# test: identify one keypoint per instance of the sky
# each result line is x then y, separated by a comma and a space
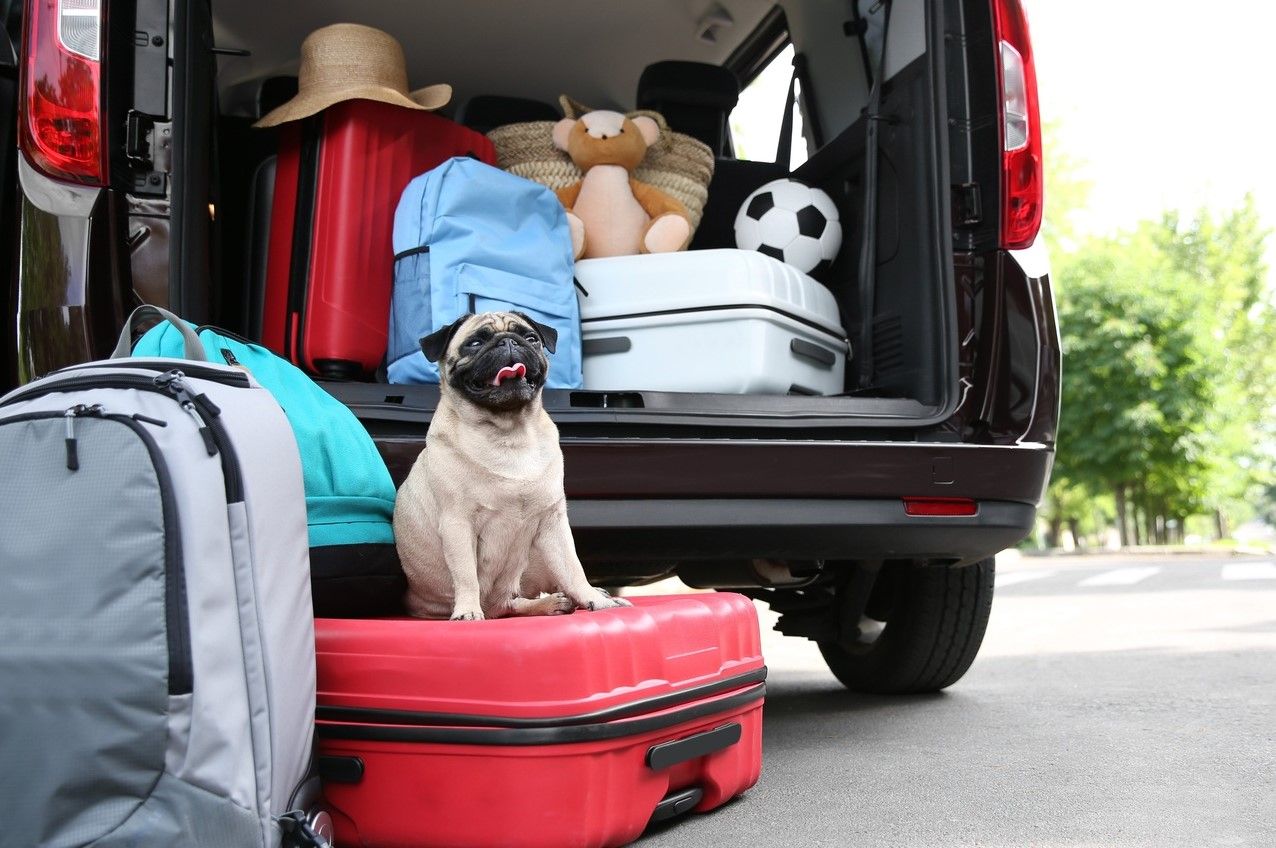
1168, 105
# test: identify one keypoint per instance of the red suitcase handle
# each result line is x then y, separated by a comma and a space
668, 754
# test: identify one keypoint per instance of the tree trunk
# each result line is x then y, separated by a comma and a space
1220, 523
1123, 527
1053, 527
1074, 527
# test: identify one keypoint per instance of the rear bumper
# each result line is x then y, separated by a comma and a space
678, 500
676, 530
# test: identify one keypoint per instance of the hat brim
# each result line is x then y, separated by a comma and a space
432, 96
308, 103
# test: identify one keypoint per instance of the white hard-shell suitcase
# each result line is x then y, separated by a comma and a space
725, 321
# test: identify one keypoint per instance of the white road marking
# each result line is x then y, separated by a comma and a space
1250, 571
1121, 576
1010, 578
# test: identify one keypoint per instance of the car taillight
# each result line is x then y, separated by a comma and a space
940, 506
1022, 187
62, 129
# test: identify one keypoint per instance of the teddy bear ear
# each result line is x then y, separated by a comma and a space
563, 131
649, 128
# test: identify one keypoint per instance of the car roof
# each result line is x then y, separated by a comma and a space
593, 50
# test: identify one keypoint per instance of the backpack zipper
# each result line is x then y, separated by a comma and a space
238, 379
176, 614
171, 384
72, 449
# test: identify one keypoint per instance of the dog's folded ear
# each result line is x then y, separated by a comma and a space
549, 336
435, 344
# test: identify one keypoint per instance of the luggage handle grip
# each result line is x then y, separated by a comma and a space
813, 352
668, 754
599, 347
124, 347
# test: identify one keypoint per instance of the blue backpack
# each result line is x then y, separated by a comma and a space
472, 238
354, 566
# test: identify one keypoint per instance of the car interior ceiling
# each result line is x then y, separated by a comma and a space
696, 93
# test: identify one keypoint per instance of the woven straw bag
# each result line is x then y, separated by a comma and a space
676, 164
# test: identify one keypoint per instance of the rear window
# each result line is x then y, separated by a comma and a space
757, 118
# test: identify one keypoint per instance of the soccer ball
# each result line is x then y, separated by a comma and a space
793, 222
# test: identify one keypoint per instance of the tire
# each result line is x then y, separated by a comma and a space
921, 631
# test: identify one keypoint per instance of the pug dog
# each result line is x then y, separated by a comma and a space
481, 520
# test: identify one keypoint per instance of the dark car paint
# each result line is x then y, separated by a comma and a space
70, 294
8, 194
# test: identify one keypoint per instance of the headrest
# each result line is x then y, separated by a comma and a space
488, 111
694, 97
689, 84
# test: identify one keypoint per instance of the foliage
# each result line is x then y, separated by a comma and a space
1169, 336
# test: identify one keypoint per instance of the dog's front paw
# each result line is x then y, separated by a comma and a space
605, 601
467, 615
559, 604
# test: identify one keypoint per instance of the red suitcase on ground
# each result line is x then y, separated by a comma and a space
574, 730
330, 266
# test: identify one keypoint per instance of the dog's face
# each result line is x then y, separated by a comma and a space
497, 360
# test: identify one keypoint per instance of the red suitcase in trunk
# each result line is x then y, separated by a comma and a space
560, 731
330, 268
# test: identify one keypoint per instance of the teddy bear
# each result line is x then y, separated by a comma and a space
609, 212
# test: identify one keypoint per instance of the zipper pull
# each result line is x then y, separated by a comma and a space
72, 446
72, 452
168, 379
173, 383
204, 432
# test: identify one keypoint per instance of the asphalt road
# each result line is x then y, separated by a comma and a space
1117, 701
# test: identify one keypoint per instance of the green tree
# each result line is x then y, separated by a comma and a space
1169, 334
1139, 388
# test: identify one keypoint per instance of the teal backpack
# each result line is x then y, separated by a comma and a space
354, 567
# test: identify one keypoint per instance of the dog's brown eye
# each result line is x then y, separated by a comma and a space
532, 338
473, 343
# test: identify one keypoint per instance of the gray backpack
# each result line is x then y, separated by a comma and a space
157, 679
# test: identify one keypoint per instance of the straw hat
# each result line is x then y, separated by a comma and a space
352, 62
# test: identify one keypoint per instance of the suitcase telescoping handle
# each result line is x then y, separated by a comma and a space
194, 349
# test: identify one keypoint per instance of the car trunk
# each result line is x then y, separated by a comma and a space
912, 332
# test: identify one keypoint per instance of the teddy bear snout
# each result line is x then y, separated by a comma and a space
603, 124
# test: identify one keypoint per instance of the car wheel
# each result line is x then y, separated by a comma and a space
919, 632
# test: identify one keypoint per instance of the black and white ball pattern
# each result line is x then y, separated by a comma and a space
793, 222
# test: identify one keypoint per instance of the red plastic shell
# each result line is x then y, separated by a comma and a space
368, 152
580, 793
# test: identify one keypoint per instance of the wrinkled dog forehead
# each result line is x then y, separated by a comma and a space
493, 322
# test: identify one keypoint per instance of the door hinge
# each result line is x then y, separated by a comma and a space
967, 205
148, 144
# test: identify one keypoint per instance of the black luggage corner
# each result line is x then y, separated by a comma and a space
357, 581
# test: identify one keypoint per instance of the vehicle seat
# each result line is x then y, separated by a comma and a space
697, 98
485, 112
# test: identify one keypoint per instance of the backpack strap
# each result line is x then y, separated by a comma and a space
298, 833
124, 347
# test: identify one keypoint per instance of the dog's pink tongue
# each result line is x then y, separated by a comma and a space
518, 369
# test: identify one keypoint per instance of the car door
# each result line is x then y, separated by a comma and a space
10, 38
